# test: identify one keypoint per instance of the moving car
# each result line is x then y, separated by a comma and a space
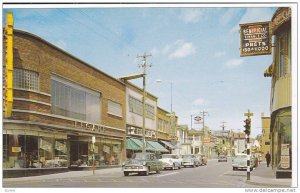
171, 161
142, 163
202, 159
222, 158
240, 162
190, 160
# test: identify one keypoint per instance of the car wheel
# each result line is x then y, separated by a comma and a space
126, 173
173, 167
146, 173
179, 167
234, 168
158, 171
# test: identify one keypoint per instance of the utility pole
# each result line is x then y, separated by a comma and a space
144, 65
223, 125
203, 113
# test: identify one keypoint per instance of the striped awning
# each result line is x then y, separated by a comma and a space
169, 144
157, 146
132, 145
137, 144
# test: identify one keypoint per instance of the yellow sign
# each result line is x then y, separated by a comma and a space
15, 149
248, 114
206, 140
8, 102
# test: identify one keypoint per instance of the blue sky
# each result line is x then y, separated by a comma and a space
197, 49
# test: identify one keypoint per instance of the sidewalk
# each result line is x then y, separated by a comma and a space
84, 173
264, 176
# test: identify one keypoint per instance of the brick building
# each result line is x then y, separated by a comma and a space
60, 102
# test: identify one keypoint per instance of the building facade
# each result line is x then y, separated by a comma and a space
60, 103
134, 121
281, 94
184, 144
265, 137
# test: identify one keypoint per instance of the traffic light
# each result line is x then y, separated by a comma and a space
247, 126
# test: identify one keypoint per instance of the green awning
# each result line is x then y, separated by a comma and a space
132, 145
157, 146
137, 144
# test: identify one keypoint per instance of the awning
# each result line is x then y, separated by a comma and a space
132, 145
140, 144
157, 146
169, 144
137, 144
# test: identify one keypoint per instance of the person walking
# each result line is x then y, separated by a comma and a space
268, 158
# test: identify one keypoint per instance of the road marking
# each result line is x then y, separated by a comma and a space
167, 174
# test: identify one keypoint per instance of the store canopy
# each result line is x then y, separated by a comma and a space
157, 146
169, 144
137, 144
132, 145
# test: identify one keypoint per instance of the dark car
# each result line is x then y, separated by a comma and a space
142, 163
222, 158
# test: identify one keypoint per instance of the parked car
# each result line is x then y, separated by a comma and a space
240, 162
222, 158
202, 159
190, 160
171, 161
142, 163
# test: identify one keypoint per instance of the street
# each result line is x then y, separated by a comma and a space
214, 175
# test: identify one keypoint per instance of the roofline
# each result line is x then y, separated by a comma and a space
66, 53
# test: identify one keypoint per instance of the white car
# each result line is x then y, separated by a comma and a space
171, 161
240, 162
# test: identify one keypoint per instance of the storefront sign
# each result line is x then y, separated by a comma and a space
89, 126
255, 39
15, 149
206, 140
45, 145
60, 147
285, 156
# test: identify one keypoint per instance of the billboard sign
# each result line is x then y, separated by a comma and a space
255, 39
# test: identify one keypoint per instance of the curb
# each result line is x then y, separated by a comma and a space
267, 184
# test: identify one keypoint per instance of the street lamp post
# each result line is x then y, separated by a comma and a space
93, 157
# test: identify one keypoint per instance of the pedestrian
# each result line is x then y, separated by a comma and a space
268, 158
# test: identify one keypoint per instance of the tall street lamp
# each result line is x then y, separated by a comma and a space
171, 114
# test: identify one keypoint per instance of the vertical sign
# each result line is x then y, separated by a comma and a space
255, 39
8, 102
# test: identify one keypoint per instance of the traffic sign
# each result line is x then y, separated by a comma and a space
248, 114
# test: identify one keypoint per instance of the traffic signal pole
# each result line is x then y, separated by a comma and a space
247, 132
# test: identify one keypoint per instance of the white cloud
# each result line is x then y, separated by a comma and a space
219, 54
254, 15
234, 63
182, 49
191, 15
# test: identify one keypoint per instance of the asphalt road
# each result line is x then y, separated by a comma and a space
213, 175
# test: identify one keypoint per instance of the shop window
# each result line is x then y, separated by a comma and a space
46, 152
26, 79
60, 153
114, 108
72, 100
31, 151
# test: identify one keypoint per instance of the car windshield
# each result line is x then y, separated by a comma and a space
187, 156
140, 156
